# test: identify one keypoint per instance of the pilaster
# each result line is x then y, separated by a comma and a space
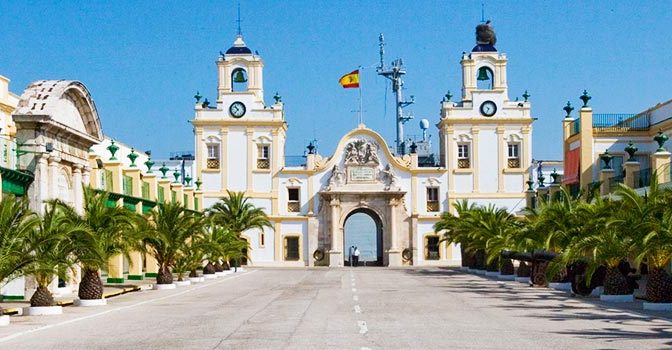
335, 254
605, 177
631, 167
660, 164
501, 147
586, 123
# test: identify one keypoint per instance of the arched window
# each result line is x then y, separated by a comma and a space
485, 79
239, 80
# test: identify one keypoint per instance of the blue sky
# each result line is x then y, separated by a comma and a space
143, 61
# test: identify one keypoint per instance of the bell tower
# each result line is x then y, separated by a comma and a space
485, 138
484, 69
240, 72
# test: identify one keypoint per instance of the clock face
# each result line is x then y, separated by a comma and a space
237, 109
488, 108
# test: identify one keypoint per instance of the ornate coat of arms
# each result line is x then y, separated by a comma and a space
361, 152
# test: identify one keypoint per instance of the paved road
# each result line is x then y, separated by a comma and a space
361, 308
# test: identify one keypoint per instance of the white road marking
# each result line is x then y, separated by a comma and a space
16, 335
354, 290
364, 348
362, 327
355, 298
358, 309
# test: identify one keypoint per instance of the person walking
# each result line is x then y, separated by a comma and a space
355, 256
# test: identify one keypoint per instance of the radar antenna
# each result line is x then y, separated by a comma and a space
394, 74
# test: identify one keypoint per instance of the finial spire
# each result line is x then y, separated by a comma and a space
240, 32
482, 12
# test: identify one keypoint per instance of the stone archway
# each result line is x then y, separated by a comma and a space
387, 207
363, 228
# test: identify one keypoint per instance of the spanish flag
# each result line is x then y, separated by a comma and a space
350, 80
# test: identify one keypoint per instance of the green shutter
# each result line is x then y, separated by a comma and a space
173, 196
185, 199
196, 204
127, 185
161, 195
107, 180
145, 190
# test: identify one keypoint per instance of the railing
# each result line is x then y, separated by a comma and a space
642, 178
621, 122
513, 163
575, 127
295, 161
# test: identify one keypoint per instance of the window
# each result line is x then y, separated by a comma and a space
213, 156
463, 159
432, 199
293, 201
161, 194
263, 157
292, 248
514, 155
432, 248
262, 239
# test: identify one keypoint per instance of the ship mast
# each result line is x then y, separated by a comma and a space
394, 74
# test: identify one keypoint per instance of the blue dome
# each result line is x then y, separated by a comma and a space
238, 50
484, 48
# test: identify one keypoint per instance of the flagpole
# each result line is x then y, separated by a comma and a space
360, 98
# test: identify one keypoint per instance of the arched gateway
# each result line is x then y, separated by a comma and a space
363, 229
361, 183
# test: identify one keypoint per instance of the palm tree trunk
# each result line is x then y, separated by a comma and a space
193, 273
219, 267
506, 267
615, 283
493, 266
42, 297
479, 258
164, 276
659, 286
91, 287
209, 269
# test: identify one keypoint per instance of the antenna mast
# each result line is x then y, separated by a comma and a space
394, 74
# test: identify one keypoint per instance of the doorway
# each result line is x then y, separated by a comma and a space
363, 229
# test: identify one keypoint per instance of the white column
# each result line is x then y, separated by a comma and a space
78, 194
335, 254
54, 161
42, 185
86, 176
394, 255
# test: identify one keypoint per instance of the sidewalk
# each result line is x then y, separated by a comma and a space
14, 307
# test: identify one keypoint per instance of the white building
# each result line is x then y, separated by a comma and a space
485, 152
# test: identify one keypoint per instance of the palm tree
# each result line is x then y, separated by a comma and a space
52, 251
17, 223
649, 218
191, 256
170, 228
600, 240
455, 229
235, 213
109, 232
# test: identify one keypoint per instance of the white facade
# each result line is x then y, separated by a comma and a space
240, 147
